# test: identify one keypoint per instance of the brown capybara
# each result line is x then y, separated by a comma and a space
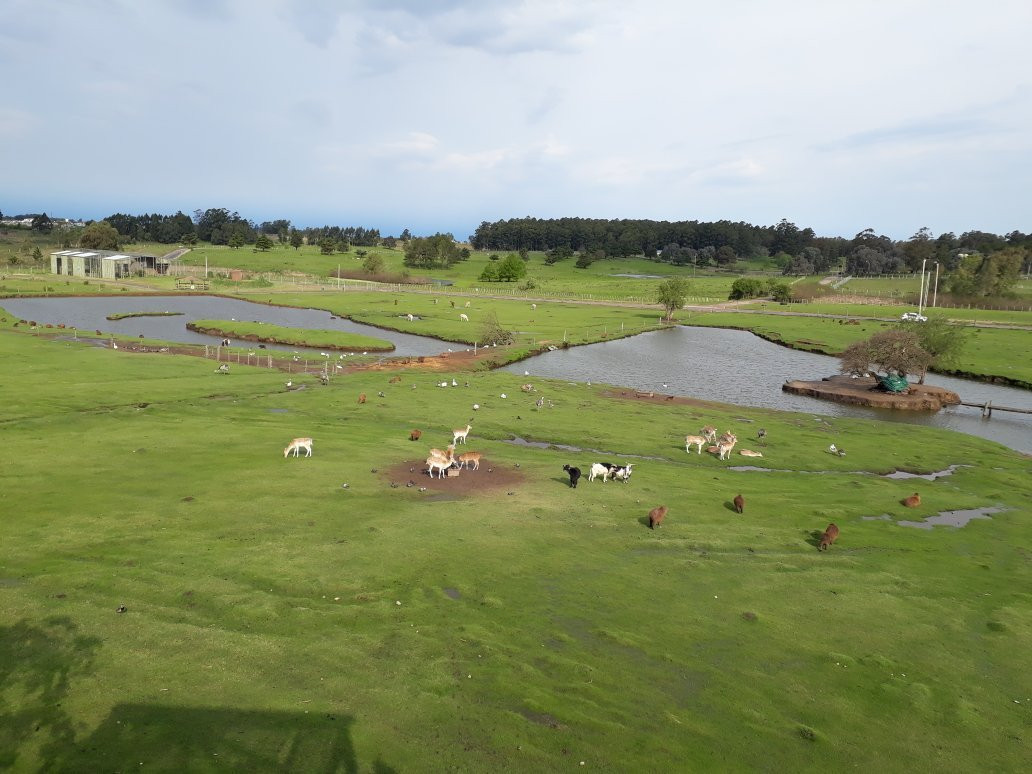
361, 398
415, 435
739, 503
656, 516
830, 536
394, 380
914, 501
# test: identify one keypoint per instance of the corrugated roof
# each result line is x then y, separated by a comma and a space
84, 255
116, 257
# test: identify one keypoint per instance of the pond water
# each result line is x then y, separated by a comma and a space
91, 314
738, 367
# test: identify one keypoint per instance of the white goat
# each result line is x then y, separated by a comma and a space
464, 317
459, 435
296, 445
410, 317
598, 469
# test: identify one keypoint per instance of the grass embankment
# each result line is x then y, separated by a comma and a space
538, 625
989, 355
277, 334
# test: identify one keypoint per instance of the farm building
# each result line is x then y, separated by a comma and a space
105, 264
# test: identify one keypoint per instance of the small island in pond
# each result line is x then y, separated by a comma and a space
127, 315
298, 337
865, 391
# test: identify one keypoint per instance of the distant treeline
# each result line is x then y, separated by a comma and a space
219, 226
796, 250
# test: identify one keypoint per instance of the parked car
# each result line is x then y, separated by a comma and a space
913, 317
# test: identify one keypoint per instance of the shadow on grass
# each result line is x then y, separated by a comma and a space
814, 538
201, 738
730, 506
38, 660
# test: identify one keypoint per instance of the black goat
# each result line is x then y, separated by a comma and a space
574, 475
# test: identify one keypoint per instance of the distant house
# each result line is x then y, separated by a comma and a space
105, 264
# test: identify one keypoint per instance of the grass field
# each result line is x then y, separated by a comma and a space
274, 620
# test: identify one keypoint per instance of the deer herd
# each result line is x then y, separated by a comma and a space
441, 461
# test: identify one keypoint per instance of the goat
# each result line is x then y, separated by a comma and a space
739, 503
296, 445
415, 435
460, 434
914, 501
622, 473
470, 457
361, 398
656, 516
222, 369
467, 304
410, 317
696, 440
464, 317
830, 536
574, 475
598, 469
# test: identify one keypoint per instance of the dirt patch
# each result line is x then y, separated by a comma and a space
489, 479
656, 397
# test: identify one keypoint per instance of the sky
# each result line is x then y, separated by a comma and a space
436, 115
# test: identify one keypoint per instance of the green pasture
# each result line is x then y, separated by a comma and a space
894, 311
275, 620
258, 331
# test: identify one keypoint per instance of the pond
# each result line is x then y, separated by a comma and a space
738, 367
91, 314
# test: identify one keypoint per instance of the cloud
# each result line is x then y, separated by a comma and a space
16, 123
911, 132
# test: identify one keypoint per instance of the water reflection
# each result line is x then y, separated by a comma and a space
738, 367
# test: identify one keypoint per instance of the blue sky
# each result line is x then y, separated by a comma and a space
439, 114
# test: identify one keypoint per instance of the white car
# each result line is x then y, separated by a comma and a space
913, 317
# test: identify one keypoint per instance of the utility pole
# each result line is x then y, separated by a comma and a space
921, 291
935, 292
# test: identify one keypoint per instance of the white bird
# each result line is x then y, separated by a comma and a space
454, 383
832, 449
365, 353
503, 395
340, 357
527, 373
290, 384
476, 406
325, 354
113, 345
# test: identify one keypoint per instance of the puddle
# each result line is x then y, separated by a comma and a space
279, 411
883, 517
902, 474
452, 593
517, 441
952, 518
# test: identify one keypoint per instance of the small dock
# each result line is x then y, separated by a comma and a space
988, 408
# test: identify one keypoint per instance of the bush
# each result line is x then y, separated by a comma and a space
744, 287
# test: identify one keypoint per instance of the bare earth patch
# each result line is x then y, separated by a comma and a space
489, 479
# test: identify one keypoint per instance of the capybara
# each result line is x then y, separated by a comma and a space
830, 536
394, 380
415, 435
361, 398
914, 501
656, 516
739, 503
574, 475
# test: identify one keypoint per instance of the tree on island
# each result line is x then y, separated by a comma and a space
940, 338
492, 332
672, 294
892, 352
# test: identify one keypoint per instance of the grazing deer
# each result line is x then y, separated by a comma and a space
709, 433
656, 516
470, 457
830, 536
694, 440
441, 463
464, 317
296, 445
460, 434
914, 501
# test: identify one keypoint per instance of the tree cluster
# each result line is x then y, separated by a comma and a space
434, 252
512, 268
166, 229
896, 352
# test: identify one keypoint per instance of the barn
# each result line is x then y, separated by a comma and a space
105, 264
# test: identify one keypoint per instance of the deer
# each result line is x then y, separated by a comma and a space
709, 433
296, 445
470, 457
460, 434
694, 440
441, 463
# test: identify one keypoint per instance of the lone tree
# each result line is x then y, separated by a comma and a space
672, 294
100, 235
938, 337
374, 264
891, 352
263, 243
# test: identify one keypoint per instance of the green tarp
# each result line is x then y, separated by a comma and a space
892, 383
